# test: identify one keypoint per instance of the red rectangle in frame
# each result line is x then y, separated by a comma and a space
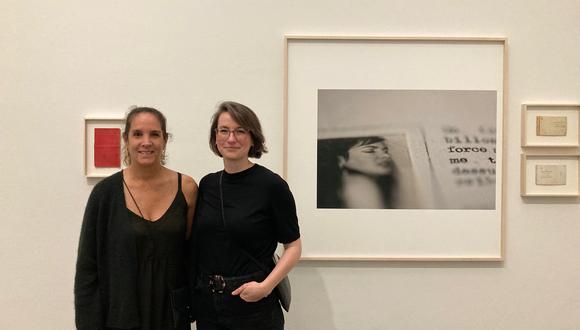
107, 149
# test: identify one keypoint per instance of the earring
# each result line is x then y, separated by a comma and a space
162, 158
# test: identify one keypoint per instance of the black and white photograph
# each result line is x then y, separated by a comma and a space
406, 149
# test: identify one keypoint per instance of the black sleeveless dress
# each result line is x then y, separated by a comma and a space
160, 250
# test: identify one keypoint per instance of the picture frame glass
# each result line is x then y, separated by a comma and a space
437, 105
550, 125
550, 175
103, 146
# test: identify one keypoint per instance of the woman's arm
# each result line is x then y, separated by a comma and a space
189, 188
254, 291
283, 210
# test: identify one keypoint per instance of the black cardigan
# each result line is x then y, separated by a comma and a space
106, 271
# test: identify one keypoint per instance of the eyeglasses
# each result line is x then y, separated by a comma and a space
224, 132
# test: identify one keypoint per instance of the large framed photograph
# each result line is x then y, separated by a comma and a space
550, 175
550, 125
393, 146
103, 146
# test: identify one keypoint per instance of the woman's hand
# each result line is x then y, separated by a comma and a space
252, 291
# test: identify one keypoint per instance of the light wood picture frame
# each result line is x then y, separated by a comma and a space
320, 68
550, 175
111, 154
551, 125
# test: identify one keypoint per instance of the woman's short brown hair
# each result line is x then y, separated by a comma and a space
247, 119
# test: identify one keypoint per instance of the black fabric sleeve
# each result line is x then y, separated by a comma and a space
88, 311
283, 210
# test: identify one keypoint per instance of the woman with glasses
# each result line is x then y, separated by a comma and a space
243, 212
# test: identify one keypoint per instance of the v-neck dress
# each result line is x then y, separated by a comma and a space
160, 250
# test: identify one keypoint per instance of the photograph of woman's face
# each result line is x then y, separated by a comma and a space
371, 159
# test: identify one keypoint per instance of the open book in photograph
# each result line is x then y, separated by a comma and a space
406, 149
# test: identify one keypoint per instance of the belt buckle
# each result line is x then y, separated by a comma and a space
217, 283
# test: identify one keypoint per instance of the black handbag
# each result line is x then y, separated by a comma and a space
181, 306
283, 289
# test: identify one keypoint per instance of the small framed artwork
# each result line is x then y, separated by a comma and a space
550, 175
103, 146
550, 125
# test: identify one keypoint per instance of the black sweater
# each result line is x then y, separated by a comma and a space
106, 271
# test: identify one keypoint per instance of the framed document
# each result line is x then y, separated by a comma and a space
549, 175
103, 146
550, 125
394, 146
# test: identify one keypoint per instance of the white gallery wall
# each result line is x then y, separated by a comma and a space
63, 60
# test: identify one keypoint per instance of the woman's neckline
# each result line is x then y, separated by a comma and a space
241, 173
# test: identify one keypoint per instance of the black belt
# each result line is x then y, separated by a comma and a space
220, 284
